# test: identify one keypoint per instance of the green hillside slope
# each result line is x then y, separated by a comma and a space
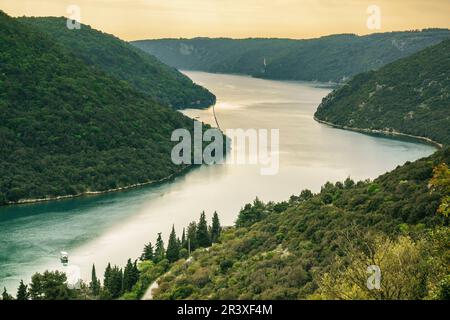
125, 62
411, 96
288, 250
332, 58
67, 127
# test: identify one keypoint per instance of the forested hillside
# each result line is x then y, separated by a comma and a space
68, 127
123, 61
410, 96
318, 246
331, 58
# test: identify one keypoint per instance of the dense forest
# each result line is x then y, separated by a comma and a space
333, 58
313, 246
67, 127
124, 61
318, 246
411, 96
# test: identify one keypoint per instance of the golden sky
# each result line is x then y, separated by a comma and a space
145, 19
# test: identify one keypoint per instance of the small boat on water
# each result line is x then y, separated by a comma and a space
64, 257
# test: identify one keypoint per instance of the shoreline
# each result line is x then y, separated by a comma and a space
97, 193
383, 133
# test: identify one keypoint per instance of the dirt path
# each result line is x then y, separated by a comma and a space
148, 295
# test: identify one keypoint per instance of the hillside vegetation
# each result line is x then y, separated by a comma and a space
331, 58
125, 62
411, 95
67, 127
318, 246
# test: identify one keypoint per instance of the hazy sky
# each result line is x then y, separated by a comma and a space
142, 19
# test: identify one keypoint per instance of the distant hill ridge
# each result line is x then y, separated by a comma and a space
334, 58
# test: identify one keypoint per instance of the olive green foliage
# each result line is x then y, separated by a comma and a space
68, 128
284, 250
410, 96
409, 269
441, 182
330, 58
125, 62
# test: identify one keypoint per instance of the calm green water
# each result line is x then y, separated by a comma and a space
114, 227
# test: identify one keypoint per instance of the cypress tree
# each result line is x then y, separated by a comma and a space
128, 276
203, 238
183, 239
94, 285
159, 250
22, 292
107, 276
136, 273
216, 229
191, 239
173, 249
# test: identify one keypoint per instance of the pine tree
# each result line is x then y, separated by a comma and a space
6, 295
128, 276
94, 285
203, 238
173, 249
159, 250
107, 280
216, 229
147, 254
22, 292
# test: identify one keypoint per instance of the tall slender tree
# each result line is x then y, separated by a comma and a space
159, 249
203, 238
191, 238
173, 248
183, 239
136, 272
107, 275
216, 229
94, 285
128, 276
